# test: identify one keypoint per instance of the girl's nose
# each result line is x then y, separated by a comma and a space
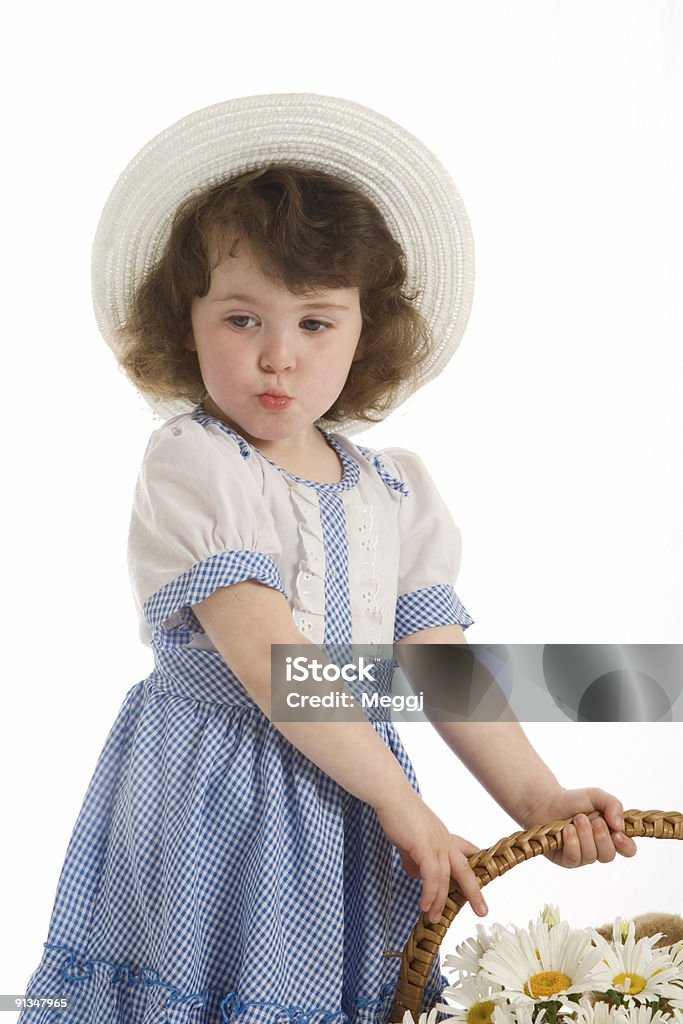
277, 353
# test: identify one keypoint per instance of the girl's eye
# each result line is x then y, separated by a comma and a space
318, 322
239, 316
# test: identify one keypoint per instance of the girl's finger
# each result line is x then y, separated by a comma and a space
429, 869
612, 810
409, 865
468, 882
584, 831
603, 840
571, 847
443, 881
624, 844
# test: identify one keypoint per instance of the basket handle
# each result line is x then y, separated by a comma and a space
423, 944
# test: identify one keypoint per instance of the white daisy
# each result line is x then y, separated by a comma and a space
622, 929
645, 1015
636, 969
676, 954
517, 1013
468, 954
425, 1018
588, 1012
551, 914
676, 1002
542, 963
476, 995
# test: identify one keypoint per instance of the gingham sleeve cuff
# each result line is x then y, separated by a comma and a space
203, 579
432, 606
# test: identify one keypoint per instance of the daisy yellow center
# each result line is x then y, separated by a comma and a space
547, 983
480, 1013
632, 983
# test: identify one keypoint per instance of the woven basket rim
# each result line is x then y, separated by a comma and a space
422, 947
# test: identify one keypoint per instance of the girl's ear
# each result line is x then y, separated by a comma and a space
189, 342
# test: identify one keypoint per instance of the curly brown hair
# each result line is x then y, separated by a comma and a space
309, 230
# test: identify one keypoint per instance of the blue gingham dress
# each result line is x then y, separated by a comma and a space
215, 873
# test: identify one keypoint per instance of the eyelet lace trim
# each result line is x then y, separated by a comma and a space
365, 591
308, 596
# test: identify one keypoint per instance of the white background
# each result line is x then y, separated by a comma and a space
555, 434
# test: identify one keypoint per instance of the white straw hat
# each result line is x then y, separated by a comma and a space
414, 192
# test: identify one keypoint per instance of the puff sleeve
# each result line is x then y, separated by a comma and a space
199, 522
430, 550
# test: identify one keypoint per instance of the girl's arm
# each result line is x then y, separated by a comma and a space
500, 756
243, 621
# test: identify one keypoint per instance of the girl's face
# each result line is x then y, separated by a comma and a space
272, 362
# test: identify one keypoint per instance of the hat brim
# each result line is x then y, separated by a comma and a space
416, 195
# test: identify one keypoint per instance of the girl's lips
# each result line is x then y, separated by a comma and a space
274, 402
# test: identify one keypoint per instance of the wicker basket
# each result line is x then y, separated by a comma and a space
423, 944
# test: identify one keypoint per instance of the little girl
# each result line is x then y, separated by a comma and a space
277, 272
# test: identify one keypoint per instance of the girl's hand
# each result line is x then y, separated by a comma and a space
430, 851
584, 841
